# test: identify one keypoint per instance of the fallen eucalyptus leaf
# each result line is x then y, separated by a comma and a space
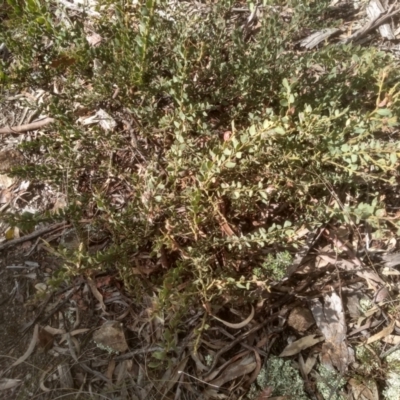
383, 333
299, 345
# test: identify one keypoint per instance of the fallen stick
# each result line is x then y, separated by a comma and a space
28, 127
30, 236
372, 25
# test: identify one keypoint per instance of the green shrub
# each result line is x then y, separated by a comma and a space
236, 143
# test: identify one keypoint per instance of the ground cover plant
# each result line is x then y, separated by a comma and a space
203, 147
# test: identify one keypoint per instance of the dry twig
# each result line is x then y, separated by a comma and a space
33, 235
28, 127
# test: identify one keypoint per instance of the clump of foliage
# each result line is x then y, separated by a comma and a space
330, 383
392, 388
276, 267
227, 143
283, 378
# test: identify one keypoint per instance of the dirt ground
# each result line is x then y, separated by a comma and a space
20, 305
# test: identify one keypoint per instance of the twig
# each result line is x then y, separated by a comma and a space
82, 364
30, 236
239, 339
61, 304
371, 25
27, 127
129, 355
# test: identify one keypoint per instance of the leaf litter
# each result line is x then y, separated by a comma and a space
230, 363
327, 310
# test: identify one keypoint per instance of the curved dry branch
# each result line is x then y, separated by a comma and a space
27, 127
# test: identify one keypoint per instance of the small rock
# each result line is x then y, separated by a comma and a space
300, 319
110, 336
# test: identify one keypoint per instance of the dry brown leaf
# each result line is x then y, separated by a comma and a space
6, 383
241, 367
239, 325
371, 311
73, 333
256, 371
122, 371
172, 375
110, 369
310, 239
381, 295
54, 331
79, 331
392, 339
97, 294
299, 345
383, 333
111, 335
45, 339
42, 379
353, 261
306, 367
31, 347
64, 373
351, 265
199, 365
363, 392
301, 232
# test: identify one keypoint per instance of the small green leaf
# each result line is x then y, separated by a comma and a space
280, 130
159, 355
385, 112
153, 364
285, 83
380, 213
230, 164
